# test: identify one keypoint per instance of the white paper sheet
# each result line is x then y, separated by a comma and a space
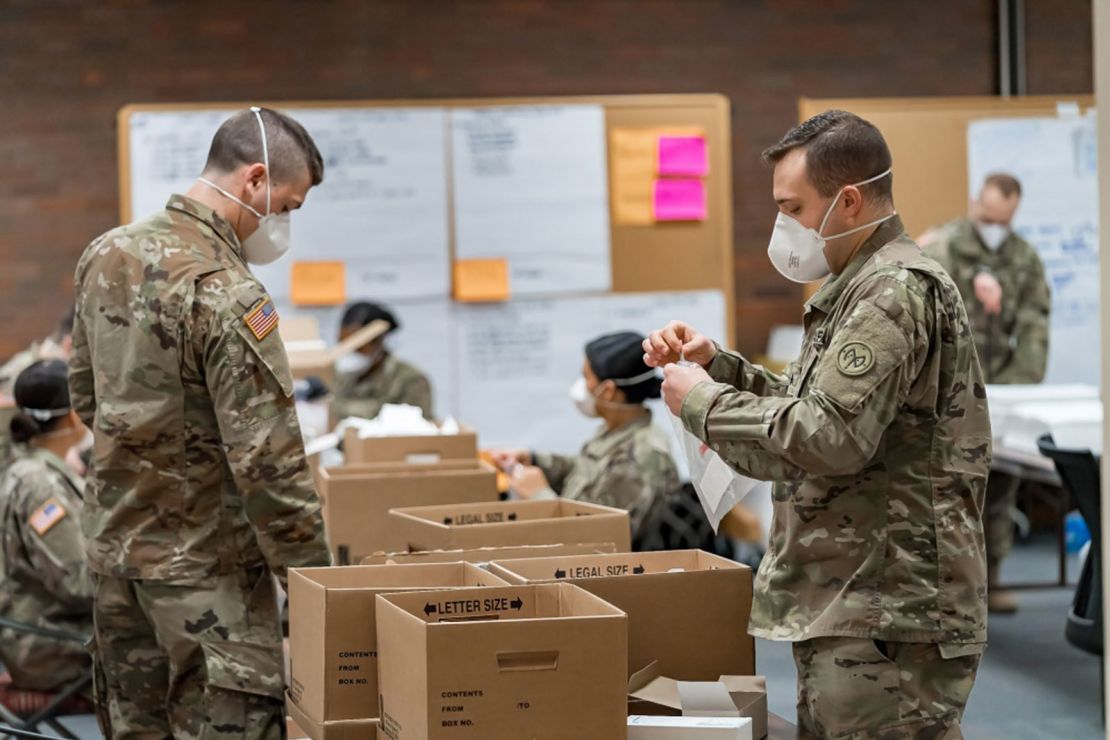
531, 186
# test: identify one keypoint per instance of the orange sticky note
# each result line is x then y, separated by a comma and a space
318, 284
482, 281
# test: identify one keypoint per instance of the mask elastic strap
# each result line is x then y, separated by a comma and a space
622, 382
44, 415
832, 205
228, 195
265, 153
861, 228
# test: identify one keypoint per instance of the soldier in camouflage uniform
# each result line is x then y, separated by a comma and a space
56, 346
200, 488
373, 376
878, 440
628, 463
1007, 297
43, 578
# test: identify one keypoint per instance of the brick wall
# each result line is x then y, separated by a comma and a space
66, 66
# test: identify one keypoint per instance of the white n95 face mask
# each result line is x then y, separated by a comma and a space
584, 401
352, 363
993, 235
271, 239
798, 252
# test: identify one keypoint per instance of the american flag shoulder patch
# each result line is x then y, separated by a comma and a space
262, 319
46, 516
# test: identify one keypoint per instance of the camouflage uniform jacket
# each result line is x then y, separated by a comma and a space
628, 468
199, 466
42, 564
1013, 346
394, 381
878, 439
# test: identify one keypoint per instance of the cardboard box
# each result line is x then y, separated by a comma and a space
482, 555
689, 728
418, 448
332, 642
309, 355
536, 662
729, 696
345, 729
293, 731
357, 500
687, 609
511, 523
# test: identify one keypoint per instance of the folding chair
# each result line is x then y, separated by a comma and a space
54, 704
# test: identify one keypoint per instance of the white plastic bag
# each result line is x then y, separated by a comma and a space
719, 487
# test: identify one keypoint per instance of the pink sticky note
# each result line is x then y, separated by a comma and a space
683, 155
679, 200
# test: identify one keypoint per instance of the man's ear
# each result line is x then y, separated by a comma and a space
853, 200
256, 175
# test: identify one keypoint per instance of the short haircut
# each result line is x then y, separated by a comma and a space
1006, 183
841, 149
238, 141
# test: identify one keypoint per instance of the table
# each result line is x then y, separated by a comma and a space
1033, 466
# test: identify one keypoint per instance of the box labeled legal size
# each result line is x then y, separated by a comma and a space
416, 448
687, 609
482, 555
510, 524
332, 641
536, 662
341, 729
357, 500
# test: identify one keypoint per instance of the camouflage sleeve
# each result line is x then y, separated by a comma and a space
251, 387
56, 549
1030, 355
938, 249
636, 485
555, 468
418, 392
857, 388
732, 368
81, 390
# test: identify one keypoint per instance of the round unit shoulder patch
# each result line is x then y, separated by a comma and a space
855, 358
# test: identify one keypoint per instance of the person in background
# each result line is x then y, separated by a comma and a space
1003, 284
57, 346
373, 376
628, 463
200, 494
43, 578
877, 438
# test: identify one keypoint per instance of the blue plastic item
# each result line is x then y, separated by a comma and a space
1076, 533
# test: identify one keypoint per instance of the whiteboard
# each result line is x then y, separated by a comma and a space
517, 361
1055, 160
531, 186
382, 208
